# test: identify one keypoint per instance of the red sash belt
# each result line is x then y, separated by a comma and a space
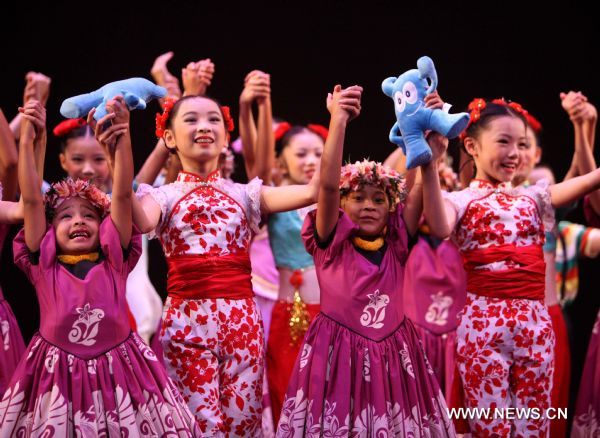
526, 281
200, 277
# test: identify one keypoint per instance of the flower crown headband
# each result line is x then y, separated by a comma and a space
161, 119
355, 176
477, 105
284, 127
68, 188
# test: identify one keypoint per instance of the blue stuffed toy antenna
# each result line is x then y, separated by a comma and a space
136, 91
412, 118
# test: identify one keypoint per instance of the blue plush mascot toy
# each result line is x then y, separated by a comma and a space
136, 91
413, 119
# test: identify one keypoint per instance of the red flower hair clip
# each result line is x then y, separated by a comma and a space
531, 121
229, 126
66, 126
320, 130
475, 107
282, 128
161, 119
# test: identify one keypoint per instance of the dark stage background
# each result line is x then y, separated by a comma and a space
485, 49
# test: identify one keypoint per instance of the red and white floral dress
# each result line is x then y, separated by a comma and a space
505, 341
212, 331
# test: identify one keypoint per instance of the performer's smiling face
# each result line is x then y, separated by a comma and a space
368, 208
76, 224
197, 130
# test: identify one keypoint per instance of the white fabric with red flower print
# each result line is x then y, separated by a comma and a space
212, 216
491, 215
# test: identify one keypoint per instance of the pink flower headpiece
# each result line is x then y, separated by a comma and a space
68, 188
355, 176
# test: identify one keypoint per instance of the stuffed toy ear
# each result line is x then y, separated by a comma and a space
133, 101
427, 70
388, 86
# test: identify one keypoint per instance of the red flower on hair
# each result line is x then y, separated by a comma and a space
282, 128
475, 108
229, 126
66, 126
533, 123
320, 130
161, 119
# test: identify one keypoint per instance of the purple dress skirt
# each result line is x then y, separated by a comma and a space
434, 293
587, 411
11, 340
362, 370
85, 373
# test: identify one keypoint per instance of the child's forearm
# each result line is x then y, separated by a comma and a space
414, 204
121, 210
584, 159
8, 159
264, 157
569, 191
248, 136
15, 126
11, 212
433, 203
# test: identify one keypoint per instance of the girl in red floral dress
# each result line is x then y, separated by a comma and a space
505, 341
212, 334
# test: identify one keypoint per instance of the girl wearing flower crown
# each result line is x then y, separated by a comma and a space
85, 372
505, 341
362, 371
82, 157
212, 334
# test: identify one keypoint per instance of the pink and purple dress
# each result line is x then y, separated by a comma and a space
362, 370
587, 411
435, 290
11, 342
85, 373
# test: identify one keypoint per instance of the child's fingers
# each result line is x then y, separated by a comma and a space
90, 119
100, 124
110, 137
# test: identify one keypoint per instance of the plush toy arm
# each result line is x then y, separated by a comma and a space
396, 137
387, 86
427, 70
79, 106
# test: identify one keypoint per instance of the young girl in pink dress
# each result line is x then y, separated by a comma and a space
505, 341
212, 334
362, 371
85, 372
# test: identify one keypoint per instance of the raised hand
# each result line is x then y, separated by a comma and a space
433, 101
34, 112
574, 103
438, 144
344, 102
257, 87
197, 77
159, 71
107, 133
